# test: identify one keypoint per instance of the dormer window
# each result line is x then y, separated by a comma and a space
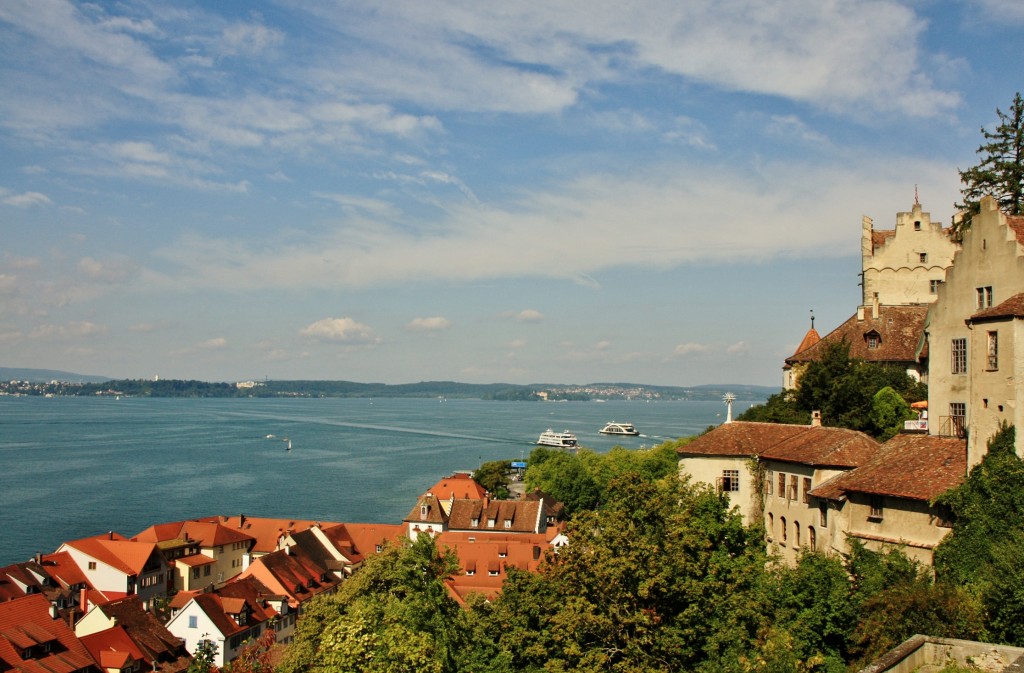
423, 511
873, 339
508, 523
475, 522
490, 523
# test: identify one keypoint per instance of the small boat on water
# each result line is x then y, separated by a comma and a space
561, 440
613, 428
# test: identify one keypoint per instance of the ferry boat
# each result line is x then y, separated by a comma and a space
561, 440
613, 428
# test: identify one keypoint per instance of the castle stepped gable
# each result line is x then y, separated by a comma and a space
915, 467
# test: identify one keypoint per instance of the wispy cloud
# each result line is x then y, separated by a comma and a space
340, 330
28, 200
432, 324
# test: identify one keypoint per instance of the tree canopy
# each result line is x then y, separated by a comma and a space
1000, 173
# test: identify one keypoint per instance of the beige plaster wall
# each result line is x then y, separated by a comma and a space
990, 257
708, 470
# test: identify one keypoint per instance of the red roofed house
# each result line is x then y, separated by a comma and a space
295, 574
115, 651
768, 470
976, 335
228, 617
33, 640
458, 485
119, 567
486, 559
887, 501
158, 649
213, 553
268, 533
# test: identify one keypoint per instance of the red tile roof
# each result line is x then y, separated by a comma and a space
915, 467
62, 568
740, 438
149, 635
516, 516
293, 573
116, 551
195, 560
113, 648
266, 531
458, 485
899, 330
822, 446
26, 623
812, 337
483, 555
208, 534
879, 237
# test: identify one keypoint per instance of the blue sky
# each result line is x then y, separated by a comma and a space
523, 192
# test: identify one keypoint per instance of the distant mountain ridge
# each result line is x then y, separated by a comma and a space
99, 385
47, 375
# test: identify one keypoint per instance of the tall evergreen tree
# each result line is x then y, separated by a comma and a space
1001, 171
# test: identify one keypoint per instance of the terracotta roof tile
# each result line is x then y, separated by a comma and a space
459, 485
24, 623
915, 467
899, 330
812, 337
1016, 223
518, 516
879, 237
822, 446
115, 550
156, 642
740, 438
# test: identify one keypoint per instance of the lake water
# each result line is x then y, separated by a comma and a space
72, 467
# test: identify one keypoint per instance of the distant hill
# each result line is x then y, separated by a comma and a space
47, 375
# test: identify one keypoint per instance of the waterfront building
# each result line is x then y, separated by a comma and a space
204, 553
118, 567
33, 638
113, 630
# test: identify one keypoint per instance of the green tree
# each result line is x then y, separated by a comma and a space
888, 411
563, 476
493, 475
1000, 174
203, 658
779, 408
395, 614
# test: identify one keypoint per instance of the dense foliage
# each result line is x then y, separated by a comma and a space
1000, 173
849, 394
494, 476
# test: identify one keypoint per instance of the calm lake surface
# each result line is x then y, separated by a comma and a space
72, 467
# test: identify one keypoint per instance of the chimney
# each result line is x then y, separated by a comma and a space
110, 535
815, 419
83, 600
53, 611
241, 521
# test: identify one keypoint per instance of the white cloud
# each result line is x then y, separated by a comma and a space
738, 348
343, 330
28, 200
249, 38
434, 324
690, 348
214, 344
528, 315
117, 270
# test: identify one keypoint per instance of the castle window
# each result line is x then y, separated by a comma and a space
917, 225
923, 257
984, 296
812, 538
933, 286
993, 351
873, 340
792, 487
958, 418
823, 511
875, 505
796, 533
782, 485
959, 353
782, 522
730, 482
807, 490
769, 483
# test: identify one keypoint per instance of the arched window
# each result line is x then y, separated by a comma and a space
812, 538
782, 521
796, 533
771, 525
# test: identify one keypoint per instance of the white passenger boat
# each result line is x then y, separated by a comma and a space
614, 428
562, 440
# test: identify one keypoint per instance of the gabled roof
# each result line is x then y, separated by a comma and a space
116, 551
208, 534
427, 509
221, 605
915, 467
20, 579
822, 446
156, 642
113, 648
1011, 308
293, 573
483, 555
62, 568
818, 446
740, 438
458, 485
266, 531
25, 623
368, 536
899, 330
812, 337
516, 516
